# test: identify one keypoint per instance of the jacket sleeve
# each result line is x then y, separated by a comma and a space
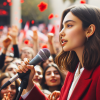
98, 89
62, 92
16, 51
2, 59
35, 94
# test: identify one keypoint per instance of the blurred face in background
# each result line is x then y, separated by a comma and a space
9, 89
11, 68
17, 61
8, 59
38, 74
48, 61
26, 54
52, 77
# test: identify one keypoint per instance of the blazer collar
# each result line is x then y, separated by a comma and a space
82, 84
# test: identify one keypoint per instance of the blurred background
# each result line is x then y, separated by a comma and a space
18, 12
28, 15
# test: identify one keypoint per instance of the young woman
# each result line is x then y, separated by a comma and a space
10, 92
52, 79
80, 40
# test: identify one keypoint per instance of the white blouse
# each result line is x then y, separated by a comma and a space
76, 78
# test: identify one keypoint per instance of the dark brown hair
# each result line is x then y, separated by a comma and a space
91, 54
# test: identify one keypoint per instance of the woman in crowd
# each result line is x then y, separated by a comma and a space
11, 37
38, 74
10, 68
52, 79
80, 40
37, 78
9, 92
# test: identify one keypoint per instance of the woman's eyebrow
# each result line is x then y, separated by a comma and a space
68, 21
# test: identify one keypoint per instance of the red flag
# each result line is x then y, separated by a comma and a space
26, 28
53, 30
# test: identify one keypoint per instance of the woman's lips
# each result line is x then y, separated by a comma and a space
63, 42
36, 80
53, 80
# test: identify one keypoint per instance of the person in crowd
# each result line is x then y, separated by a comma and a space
80, 40
35, 40
53, 50
16, 61
27, 52
9, 57
37, 78
13, 32
38, 74
52, 79
10, 68
11, 37
51, 45
10, 92
6, 43
45, 63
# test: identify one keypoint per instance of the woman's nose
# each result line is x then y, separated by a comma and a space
14, 71
62, 33
52, 74
36, 74
9, 88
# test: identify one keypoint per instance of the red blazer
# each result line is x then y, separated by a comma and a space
87, 88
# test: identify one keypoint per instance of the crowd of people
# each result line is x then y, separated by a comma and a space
10, 59
73, 73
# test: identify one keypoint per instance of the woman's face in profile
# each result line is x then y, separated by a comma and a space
9, 89
72, 36
52, 77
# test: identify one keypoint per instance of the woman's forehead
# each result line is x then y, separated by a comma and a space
51, 69
70, 17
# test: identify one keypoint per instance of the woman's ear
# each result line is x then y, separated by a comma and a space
90, 30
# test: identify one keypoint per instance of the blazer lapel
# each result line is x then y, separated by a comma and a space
82, 85
69, 81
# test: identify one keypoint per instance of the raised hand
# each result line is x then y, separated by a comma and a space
24, 67
7, 97
54, 95
50, 37
13, 32
7, 41
35, 35
35, 41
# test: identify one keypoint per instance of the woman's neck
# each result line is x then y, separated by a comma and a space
79, 53
53, 88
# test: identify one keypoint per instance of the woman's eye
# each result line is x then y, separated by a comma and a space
69, 25
13, 87
56, 73
48, 73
